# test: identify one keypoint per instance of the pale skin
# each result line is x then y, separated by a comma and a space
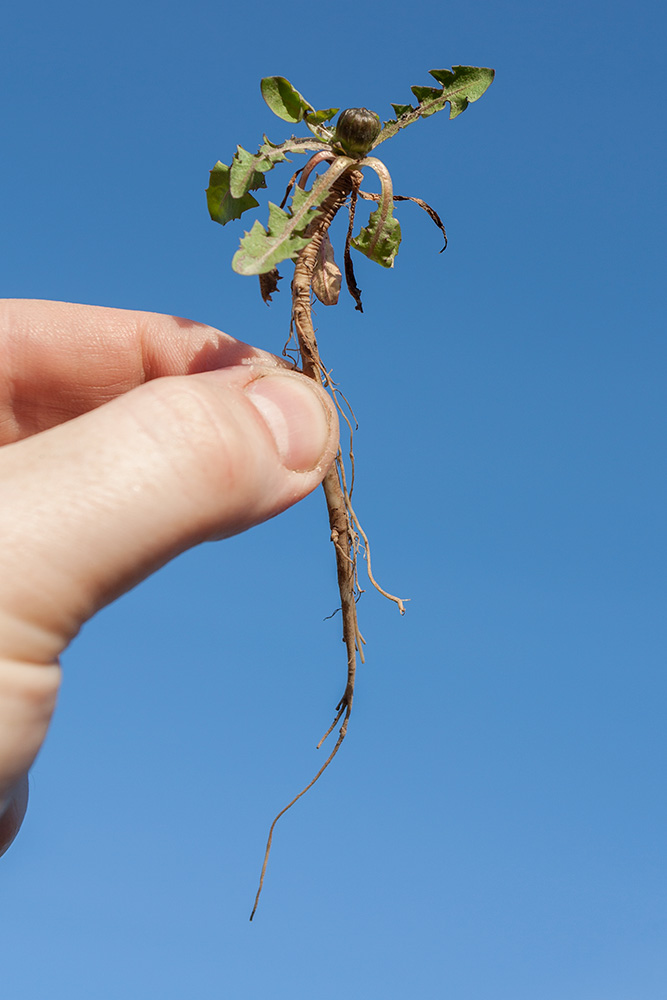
125, 438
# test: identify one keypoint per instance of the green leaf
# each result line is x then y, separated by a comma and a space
474, 80
294, 145
402, 109
381, 238
318, 117
222, 206
261, 249
428, 98
284, 100
460, 87
247, 171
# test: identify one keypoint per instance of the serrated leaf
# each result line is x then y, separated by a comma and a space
460, 87
284, 99
247, 171
294, 145
476, 79
222, 206
428, 98
402, 109
261, 249
381, 238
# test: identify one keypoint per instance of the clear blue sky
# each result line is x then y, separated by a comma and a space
495, 827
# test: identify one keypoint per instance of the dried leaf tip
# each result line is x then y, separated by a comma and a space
268, 284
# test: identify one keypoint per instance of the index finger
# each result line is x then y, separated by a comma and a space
59, 359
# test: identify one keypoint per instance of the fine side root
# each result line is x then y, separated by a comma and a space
367, 555
354, 520
341, 737
331, 728
335, 390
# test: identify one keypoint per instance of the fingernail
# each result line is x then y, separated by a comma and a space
296, 417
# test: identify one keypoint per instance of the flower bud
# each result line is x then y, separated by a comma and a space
357, 130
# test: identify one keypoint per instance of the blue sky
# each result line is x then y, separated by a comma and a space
494, 828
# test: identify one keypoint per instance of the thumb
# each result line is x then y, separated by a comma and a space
94, 505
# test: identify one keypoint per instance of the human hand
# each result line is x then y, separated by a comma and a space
127, 438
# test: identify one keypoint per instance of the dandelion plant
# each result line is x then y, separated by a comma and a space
298, 232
